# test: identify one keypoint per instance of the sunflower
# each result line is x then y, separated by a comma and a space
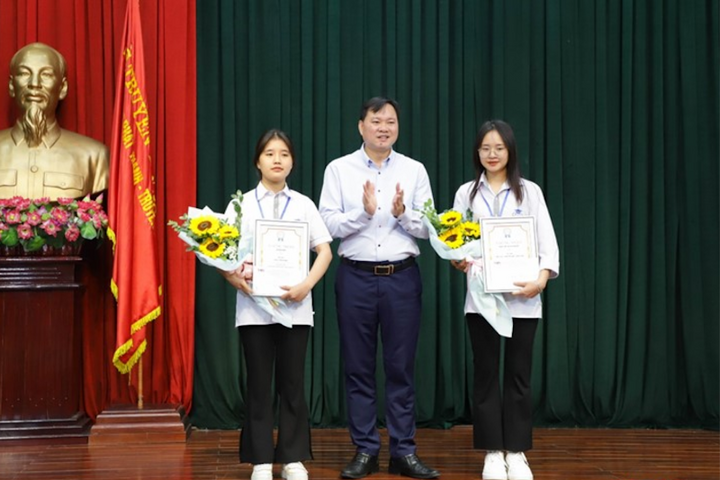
471, 229
211, 248
205, 225
453, 238
227, 231
450, 218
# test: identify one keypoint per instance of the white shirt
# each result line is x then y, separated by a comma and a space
293, 206
533, 204
380, 237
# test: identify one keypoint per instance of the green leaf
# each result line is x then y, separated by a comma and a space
175, 226
35, 243
88, 232
9, 237
237, 199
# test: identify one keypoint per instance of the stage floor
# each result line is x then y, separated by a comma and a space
567, 454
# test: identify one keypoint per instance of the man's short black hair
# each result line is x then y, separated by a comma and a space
376, 104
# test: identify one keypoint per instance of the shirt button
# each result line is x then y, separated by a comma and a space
34, 169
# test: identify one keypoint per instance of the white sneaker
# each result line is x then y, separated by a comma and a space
294, 471
262, 471
495, 467
518, 468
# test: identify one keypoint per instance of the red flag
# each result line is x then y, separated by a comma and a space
132, 208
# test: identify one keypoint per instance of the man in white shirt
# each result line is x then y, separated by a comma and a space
370, 200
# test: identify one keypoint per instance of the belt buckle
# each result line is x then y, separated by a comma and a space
384, 270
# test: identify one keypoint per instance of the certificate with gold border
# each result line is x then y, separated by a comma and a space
510, 252
281, 256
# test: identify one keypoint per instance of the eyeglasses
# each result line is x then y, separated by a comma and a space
487, 151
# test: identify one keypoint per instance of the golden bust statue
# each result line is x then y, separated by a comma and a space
37, 157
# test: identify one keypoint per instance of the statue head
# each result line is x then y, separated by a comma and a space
37, 83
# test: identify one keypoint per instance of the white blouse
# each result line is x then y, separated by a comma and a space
533, 204
293, 206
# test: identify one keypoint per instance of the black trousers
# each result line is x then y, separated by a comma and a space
502, 420
282, 349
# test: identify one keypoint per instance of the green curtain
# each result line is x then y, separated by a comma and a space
615, 106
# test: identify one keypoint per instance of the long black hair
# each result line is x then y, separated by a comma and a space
513, 168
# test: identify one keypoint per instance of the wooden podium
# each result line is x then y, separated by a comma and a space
41, 351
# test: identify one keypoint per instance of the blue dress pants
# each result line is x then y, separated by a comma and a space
367, 302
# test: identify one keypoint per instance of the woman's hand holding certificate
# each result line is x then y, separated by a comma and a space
510, 253
220, 244
281, 258
456, 238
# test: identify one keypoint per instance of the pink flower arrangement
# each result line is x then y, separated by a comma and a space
32, 224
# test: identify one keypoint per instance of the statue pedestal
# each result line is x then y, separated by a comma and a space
126, 424
41, 351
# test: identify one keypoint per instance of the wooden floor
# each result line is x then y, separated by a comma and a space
567, 454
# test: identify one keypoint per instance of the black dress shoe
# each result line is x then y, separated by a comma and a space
411, 466
360, 466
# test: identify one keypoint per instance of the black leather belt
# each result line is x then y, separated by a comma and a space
380, 268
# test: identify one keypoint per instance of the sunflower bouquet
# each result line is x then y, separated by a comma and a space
453, 236
215, 241
218, 242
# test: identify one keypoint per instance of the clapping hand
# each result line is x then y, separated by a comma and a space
398, 206
369, 198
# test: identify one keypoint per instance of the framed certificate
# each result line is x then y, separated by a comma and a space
509, 252
281, 256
